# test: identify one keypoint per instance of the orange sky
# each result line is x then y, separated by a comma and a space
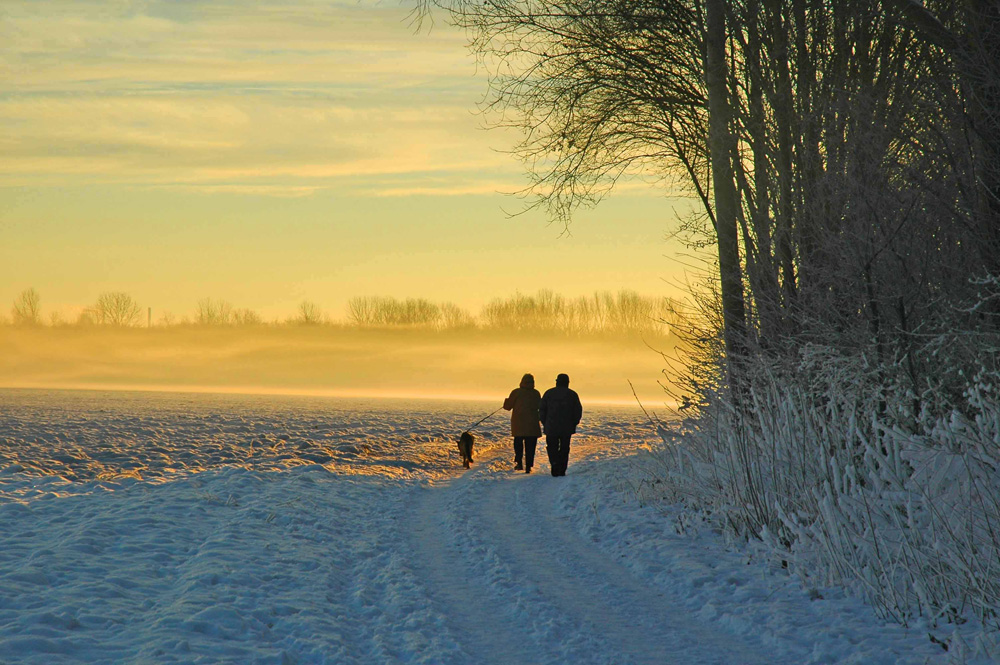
268, 153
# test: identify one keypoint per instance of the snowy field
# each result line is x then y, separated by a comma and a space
184, 528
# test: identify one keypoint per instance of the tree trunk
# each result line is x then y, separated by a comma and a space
764, 285
720, 145
784, 112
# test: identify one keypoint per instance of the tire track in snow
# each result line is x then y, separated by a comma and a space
643, 624
538, 591
481, 625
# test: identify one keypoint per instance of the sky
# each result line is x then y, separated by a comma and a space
266, 153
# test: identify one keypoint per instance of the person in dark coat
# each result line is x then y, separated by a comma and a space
560, 412
524, 425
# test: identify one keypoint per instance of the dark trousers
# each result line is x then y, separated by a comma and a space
558, 448
524, 448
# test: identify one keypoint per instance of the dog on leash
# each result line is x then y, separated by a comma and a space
465, 448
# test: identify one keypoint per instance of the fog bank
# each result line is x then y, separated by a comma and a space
328, 360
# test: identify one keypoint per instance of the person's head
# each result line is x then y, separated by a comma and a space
562, 380
527, 381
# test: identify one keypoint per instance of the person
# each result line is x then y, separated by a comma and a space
524, 424
560, 412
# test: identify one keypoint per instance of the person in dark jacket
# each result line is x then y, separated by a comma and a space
560, 412
524, 425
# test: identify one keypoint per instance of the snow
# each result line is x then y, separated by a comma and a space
175, 528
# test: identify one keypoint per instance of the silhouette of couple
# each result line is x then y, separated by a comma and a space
558, 410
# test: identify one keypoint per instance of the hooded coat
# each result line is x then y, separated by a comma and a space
523, 405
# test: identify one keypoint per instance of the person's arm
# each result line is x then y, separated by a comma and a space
578, 409
508, 403
543, 406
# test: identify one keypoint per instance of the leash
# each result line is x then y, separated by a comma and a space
469, 429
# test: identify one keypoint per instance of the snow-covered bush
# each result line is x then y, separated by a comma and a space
839, 468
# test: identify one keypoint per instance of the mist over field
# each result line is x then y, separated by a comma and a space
385, 347
333, 360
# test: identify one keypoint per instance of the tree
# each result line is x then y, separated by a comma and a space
116, 308
454, 317
602, 88
214, 312
721, 149
27, 308
361, 310
972, 43
309, 314
389, 311
247, 317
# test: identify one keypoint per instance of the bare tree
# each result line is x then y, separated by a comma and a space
361, 310
27, 308
247, 317
969, 34
605, 88
454, 317
309, 314
116, 308
214, 312
389, 311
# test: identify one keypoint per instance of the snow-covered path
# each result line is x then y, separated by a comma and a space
521, 585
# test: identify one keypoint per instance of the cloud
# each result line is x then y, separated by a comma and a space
461, 189
279, 191
214, 94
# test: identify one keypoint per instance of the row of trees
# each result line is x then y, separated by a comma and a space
846, 154
121, 310
624, 312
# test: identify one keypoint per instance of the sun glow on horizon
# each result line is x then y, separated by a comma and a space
650, 402
327, 361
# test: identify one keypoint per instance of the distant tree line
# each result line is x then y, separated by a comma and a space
118, 309
625, 312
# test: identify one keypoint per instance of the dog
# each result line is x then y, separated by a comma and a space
465, 448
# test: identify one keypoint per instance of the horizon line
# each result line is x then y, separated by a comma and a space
334, 393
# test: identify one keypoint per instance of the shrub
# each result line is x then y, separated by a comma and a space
848, 476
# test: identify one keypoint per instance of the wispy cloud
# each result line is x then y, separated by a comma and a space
213, 94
